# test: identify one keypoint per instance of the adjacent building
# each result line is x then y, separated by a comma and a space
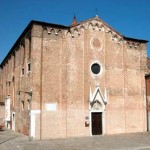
147, 80
79, 80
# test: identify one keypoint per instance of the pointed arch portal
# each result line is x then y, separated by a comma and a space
97, 112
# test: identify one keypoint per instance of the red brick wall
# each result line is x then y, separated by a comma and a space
13, 82
61, 75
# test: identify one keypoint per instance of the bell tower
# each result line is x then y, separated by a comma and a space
74, 21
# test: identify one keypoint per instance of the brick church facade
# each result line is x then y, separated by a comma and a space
80, 80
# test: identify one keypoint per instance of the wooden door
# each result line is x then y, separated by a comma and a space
96, 123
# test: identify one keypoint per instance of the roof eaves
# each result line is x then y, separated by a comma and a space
99, 19
49, 24
16, 43
29, 26
133, 39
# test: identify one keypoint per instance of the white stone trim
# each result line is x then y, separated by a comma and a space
102, 99
101, 68
91, 44
35, 111
7, 109
32, 122
13, 121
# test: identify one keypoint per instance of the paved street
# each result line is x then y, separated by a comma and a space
10, 140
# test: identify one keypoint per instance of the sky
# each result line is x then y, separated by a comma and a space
129, 17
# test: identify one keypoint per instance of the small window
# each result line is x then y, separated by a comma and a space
22, 71
29, 67
22, 105
28, 101
13, 79
96, 68
13, 117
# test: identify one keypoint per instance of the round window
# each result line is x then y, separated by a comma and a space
96, 68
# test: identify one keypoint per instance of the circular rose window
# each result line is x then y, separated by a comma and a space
95, 68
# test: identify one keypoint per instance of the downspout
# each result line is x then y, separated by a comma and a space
41, 84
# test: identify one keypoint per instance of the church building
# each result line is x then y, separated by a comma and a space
68, 81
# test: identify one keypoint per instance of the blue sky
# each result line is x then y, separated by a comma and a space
130, 17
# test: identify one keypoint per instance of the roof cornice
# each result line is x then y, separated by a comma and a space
26, 30
29, 27
99, 19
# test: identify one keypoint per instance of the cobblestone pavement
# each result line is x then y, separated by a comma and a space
10, 140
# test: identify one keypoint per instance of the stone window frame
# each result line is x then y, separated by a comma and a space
101, 68
28, 70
